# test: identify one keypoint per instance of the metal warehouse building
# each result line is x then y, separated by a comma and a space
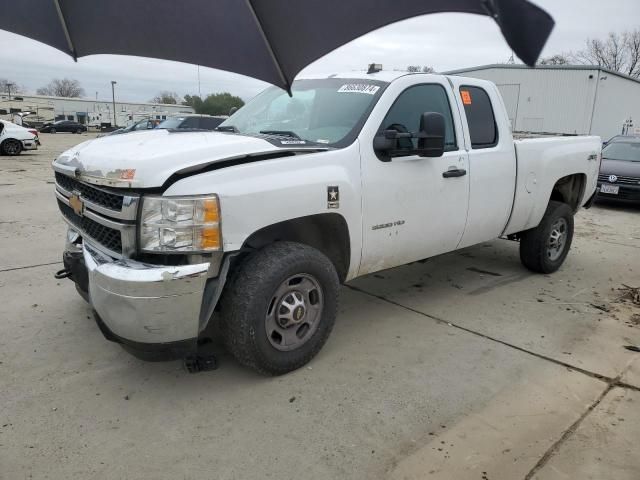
86, 111
566, 99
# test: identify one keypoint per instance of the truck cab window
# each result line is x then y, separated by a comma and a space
480, 117
404, 115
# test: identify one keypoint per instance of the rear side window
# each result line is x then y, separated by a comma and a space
482, 122
210, 123
190, 122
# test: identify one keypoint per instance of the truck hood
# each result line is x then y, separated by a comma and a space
621, 168
148, 159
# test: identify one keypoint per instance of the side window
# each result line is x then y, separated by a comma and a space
191, 122
482, 122
404, 115
210, 123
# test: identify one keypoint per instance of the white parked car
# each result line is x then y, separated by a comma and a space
14, 138
257, 224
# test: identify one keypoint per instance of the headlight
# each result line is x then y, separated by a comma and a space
180, 224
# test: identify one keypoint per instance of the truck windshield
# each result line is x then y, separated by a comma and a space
327, 111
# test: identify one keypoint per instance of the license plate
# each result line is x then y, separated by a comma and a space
612, 189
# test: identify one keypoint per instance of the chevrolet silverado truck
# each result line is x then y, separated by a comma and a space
253, 227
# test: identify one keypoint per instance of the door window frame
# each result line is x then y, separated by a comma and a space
456, 146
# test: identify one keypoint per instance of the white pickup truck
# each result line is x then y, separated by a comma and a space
254, 226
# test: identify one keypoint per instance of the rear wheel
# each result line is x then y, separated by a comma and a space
543, 249
279, 307
11, 147
79, 131
53, 130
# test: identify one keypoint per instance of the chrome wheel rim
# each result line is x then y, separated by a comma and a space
294, 312
557, 239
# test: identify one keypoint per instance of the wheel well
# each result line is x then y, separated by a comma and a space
327, 232
570, 190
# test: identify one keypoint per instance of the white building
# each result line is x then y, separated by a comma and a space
85, 111
566, 99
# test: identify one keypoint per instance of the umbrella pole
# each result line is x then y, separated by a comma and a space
285, 83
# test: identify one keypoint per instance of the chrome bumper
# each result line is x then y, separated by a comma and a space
143, 303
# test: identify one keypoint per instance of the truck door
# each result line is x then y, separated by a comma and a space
411, 210
492, 159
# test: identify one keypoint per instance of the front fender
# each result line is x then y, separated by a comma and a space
259, 194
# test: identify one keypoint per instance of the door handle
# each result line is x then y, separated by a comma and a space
454, 172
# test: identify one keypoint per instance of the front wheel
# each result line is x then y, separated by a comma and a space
11, 147
543, 249
53, 130
79, 131
280, 307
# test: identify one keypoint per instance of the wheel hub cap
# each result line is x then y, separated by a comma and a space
557, 239
294, 312
291, 310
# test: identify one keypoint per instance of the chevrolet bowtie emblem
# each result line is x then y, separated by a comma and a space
76, 203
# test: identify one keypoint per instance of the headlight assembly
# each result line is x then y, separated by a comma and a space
180, 224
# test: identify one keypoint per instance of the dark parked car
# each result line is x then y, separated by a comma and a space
63, 126
192, 122
620, 171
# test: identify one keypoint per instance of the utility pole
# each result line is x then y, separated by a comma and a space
199, 91
113, 97
9, 85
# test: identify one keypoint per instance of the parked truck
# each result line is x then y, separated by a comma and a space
255, 226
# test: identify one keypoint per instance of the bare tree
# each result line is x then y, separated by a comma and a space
428, 69
558, 59
9, 86
619, 52
166, 97
62, 88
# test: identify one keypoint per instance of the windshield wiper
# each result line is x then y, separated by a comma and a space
283, 133
228, 128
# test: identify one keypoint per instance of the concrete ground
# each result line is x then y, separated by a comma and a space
465, 366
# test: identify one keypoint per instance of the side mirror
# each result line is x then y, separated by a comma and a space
233, 110
431, 135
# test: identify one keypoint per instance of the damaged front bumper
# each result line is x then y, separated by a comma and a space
155, 312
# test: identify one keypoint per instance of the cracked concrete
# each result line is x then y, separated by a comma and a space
463, 366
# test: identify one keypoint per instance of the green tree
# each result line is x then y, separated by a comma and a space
215, 104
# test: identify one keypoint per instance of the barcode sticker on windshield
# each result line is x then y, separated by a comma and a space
359, 88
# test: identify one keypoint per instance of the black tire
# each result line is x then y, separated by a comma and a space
53, 130
252, 293
79, 131
11, 147
541, 253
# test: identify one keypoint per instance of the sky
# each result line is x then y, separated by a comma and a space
444, 41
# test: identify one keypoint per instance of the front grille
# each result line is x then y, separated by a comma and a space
105, 199
105, 236
620, 180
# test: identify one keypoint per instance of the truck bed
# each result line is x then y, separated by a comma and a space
541, 159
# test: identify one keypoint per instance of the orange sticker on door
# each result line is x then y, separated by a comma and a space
466, 97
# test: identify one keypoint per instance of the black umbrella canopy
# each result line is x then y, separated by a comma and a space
271, 40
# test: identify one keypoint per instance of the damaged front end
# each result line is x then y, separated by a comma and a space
155, 306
